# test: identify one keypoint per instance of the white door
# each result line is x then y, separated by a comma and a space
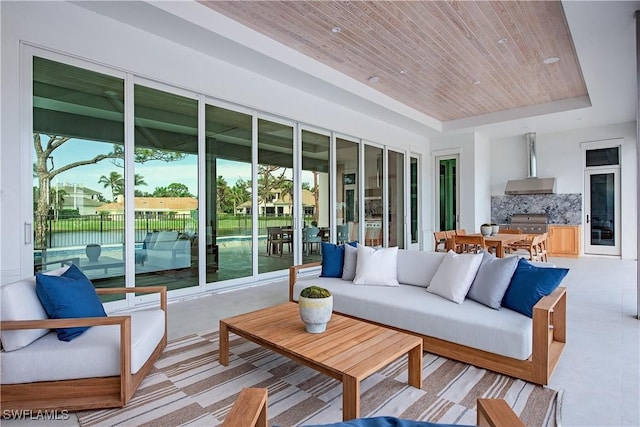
602, 211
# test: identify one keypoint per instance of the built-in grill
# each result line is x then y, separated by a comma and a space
531, 223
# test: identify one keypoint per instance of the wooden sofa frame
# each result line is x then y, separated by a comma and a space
549, 337
86, 393
250, 410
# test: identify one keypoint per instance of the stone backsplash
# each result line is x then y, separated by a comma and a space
560, 208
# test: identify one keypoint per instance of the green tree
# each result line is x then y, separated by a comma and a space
114, 181
175, 189
45, 170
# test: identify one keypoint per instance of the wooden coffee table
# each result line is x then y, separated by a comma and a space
350, 350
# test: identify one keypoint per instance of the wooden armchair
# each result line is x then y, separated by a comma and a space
250, 410
85, 393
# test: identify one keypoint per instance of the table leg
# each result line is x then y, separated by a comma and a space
415, 366
499, 250
223, 353
350, 398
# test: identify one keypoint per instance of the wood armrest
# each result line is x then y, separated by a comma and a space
293, 274
162, 290
9, 325
249, 409
496, 413
550, 301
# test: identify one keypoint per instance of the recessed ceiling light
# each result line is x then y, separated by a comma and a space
373, 79
502, 41
477, 82
336, 29
551, 60
461, 109
404, 71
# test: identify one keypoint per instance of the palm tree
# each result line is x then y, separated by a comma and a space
115, 181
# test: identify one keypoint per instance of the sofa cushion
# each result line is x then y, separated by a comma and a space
418, 267
410, 308
350, 263
376, 267
529, 284
95, 353
19, 301
165, 240
492, 280
332, 260
64, 297
455, 276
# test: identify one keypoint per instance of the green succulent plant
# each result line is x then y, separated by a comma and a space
315, 292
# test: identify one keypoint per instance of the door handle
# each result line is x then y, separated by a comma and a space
587, 218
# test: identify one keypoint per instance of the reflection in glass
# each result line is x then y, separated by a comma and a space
78, 125
166, 188
414, 199
315, 194
228, 188
396, 199
347, 216
275, 196
373, 203
603, 209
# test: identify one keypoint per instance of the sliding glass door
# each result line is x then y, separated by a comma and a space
347, 197
396, 195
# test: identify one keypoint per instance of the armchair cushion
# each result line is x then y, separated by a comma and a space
29, 308
70, 295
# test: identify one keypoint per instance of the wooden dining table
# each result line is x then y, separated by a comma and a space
498, 241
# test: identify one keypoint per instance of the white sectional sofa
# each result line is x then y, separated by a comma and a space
167, 250
500, 340
101, 368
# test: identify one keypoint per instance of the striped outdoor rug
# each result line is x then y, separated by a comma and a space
188, 386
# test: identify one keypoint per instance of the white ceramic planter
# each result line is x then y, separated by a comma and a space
495, 229
485, 230
315, 313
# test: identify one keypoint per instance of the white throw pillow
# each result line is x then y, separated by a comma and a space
376, 267
455, 276
350, 263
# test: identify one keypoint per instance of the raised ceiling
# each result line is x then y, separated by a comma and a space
449, 60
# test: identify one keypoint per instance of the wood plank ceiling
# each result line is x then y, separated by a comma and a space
447, 59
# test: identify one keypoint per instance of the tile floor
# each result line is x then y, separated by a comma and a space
599, 370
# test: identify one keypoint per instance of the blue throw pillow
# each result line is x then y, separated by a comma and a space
333, 259
384, 422
529, 284
69, 296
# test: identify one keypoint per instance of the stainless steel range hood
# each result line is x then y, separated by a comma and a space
533, 184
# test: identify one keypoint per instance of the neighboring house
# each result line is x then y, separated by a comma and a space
153, 207
75, 196
280, 205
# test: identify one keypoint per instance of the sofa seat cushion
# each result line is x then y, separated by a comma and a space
412, 308
95, 353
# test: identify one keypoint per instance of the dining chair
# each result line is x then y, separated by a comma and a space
311, 236
342, 233
440, 240
274, 240
533, 247
461, 232
468, 244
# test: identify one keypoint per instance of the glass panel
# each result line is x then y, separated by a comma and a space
373, 204
448, 194
603, 209
396, 199
347, 216
315, 194
228, 189
414, 200
275, 196
166, 189
78, 135
603, 157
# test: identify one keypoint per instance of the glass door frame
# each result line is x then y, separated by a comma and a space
589, 248
438, 156
409, 221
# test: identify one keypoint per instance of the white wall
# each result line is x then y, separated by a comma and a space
559, 155
71, 30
